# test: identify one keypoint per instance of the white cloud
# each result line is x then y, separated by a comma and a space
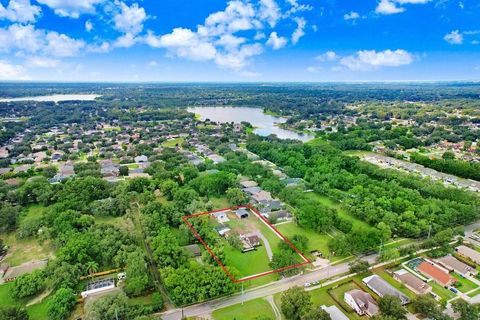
371, 59
125, 41
88, 25
12, 72
299, 31
327, 56
71, 8
388, 7
217, 38
454, 37
27, 39
269, 11
130, 19
351, 16
394, 6
42, 62
20, 11
153, 63
276, 42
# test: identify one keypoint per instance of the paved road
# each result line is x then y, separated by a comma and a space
204, 309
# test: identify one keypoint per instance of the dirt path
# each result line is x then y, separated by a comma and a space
278, 315
267, 245
39, 298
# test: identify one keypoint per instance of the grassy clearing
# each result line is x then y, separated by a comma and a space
172, 143
316, 241
25, 250
220, 203
248, 263
123, 223
463, 284
34, 211
248, 311
326, 201
36, 311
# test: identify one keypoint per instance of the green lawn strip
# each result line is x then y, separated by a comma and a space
316, 241
39, 311
397, 243
443, 293
463, 284
34, 211
133, 166
248, 311
474, 293
36, 312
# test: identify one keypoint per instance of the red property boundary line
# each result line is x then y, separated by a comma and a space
306, 261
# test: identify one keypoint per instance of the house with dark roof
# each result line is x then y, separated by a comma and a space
242, 213
453, 264
383, 288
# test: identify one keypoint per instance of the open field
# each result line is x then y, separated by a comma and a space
248, 311
25, 250
316, 241
172, 142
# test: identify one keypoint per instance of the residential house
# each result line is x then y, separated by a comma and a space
282, 215
262, 197
248, 184
221, 216
412, 282
362, 302
242, 213
469, 253
22, 168
453, 264
222, 229
334, 312
13, 272
252, 190
250, 242
108, 169
383, 288
141, 159
436, 273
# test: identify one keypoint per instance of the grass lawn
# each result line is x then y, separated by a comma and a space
248, 263
463, 284
316, 241
220, 203
133, 166
33, 211
36, 311
248, 311
25, 250
443, 293
172, 142
474, 293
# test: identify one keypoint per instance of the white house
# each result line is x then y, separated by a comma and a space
361, 301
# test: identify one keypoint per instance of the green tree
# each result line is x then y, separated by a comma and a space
294, 303
28, 284
391, 307
63, 275
315, 314
137, 274
466, 310
426, 306
61, 304
236, 196
13, 313
108, 308
359, 266
91, 267
8, 217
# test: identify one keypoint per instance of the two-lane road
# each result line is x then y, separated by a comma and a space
206, 308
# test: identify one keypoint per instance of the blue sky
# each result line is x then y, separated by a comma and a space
239, 40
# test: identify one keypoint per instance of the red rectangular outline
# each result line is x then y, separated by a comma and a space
253, 209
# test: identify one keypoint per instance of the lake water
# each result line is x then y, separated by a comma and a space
264, 124
55, 98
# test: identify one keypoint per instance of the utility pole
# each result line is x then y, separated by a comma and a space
429, 232
381, 247
242, 294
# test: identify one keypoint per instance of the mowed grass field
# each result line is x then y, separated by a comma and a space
172, 142
30, 249
316, 241
250, 310
36, 311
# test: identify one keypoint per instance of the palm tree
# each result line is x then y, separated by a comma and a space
92, 268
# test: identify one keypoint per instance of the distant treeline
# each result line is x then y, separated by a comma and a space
458, 168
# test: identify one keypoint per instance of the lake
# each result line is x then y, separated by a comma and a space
55, 98
264, 124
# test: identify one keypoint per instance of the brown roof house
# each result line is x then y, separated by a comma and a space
362, 302
469, 253
412, 282
453, 264
439, 275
